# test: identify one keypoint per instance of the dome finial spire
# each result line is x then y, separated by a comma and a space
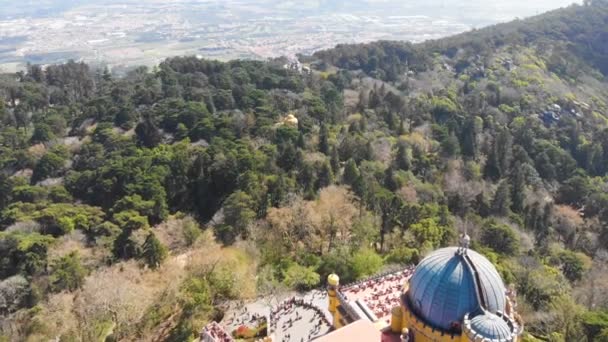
465, 239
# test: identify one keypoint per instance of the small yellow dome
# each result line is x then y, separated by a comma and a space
333, 280
291, 120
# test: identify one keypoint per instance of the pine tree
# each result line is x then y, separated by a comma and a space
389, 118
368, 152
363, 124
325, 177
360, 188
502, 199
382, 90
6, 189
277, 190
335, 160
239, 211
500, 156
491, 169
154, 252
538, 220
403, 159
504, 151
518, 190
181, 132
362, 100
324, 140
545, 167
401, 129
481, 204
307, 177
147, 133
444, 216
389, 179
451, 145
374, 100
470, 131
351, 172
287, 157
301, 143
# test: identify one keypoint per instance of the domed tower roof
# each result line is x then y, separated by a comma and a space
452, 282
490, 327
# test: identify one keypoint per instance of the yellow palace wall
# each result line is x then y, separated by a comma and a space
402, 319
424, 333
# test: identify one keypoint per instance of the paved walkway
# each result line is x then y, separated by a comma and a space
296, 318
301, 318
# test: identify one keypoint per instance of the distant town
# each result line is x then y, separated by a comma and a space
120, 34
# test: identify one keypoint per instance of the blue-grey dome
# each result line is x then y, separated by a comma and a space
491, 327
444, 288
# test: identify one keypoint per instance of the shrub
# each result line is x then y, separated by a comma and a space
68, 273
13, 293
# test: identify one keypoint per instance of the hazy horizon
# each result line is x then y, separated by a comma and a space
124, 33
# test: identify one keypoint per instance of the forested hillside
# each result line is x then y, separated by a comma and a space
135, 207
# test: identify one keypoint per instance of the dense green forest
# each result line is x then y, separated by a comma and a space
136, 206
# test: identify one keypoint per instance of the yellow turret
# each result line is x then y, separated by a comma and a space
333, 282
396, 319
